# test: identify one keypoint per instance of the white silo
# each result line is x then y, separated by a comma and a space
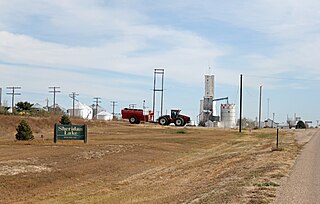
228, 115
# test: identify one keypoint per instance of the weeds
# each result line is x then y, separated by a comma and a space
181, 132
267, 184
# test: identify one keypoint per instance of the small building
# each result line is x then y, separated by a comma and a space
57, 108
37, 107
104, 115
270, 123
81, 110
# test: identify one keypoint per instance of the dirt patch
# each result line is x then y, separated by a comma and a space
14, 167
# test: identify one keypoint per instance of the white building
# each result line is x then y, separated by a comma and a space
104, 115
270, 123
81, 110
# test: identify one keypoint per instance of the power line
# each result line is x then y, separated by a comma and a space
13, 93
54, 91
282, 78
97, 101
73, 96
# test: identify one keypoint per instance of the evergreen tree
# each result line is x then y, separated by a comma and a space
24, 106
65, 120
24, 131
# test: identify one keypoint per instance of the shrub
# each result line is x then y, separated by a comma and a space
65, 120
181, 132
24, 131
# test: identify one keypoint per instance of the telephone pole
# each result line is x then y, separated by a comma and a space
0, 99
260, 107
54, 90
97, 100
240, 120
47, 103
132, 105
13, 93
114, 104
73, 96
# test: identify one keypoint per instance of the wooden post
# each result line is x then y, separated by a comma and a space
277, 137
240, 118
55, 133
85, 134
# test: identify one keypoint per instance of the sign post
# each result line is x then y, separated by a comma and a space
70, 132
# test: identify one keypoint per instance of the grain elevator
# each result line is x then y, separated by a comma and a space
208, 116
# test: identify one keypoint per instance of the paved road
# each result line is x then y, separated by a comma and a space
303, 185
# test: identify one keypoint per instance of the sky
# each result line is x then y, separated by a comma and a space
110, 48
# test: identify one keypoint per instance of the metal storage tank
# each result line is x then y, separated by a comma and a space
228, 115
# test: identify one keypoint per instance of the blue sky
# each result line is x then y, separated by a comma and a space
110, 48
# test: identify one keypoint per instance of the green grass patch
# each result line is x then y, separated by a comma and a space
267, 184
181, 132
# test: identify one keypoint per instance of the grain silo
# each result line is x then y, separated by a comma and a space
209, 86
228, 115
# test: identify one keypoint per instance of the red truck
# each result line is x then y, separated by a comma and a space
135, 116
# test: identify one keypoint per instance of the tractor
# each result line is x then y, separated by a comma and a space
176, 118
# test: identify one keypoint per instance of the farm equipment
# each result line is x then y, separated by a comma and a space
135, 116
176, 118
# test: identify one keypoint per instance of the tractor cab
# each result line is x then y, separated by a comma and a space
175, 113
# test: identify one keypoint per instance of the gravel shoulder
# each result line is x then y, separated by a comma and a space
302, 186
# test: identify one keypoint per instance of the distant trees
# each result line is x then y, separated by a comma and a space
247, 123
24, 106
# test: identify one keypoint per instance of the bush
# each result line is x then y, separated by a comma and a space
24, 131
181, 132
65, 120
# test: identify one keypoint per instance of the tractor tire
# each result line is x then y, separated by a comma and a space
163, 121
133, 120
179, 122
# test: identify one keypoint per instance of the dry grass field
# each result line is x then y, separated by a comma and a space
143, 163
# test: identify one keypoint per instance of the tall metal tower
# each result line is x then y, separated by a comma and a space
158, 71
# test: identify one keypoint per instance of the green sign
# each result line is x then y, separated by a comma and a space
70, 132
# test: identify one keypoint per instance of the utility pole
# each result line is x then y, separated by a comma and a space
13, 93
114, 104
268, 99
0, 99
47, 102
260, 103
132, 105
240, 125
97, 101
54, 90
273, 119
73, 96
